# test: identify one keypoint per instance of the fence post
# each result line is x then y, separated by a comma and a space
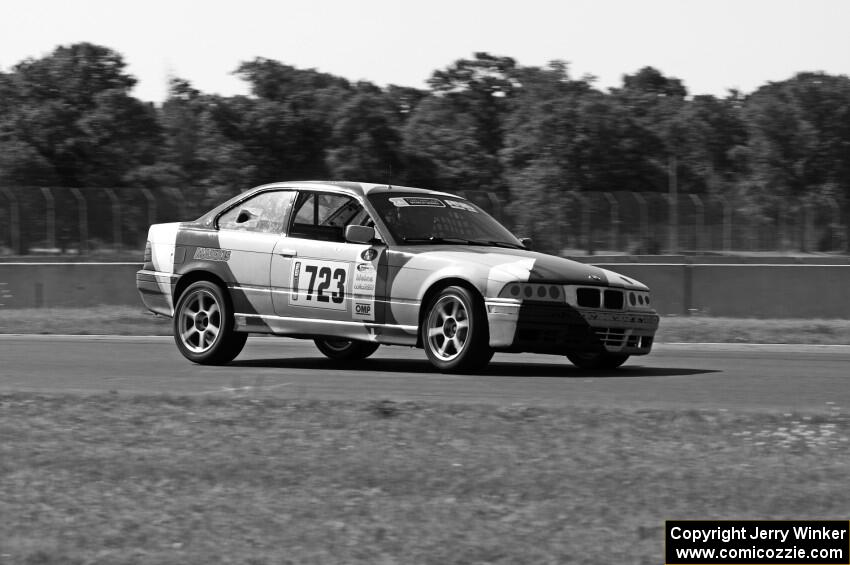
806, 226
83, 217
49, 218
673, 200
699, 217
116, 216
14, 220
614, 239
586, 235
179, 201
727, 223
151, 205
837, 226
643, 213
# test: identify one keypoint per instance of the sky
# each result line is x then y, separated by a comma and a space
712, 45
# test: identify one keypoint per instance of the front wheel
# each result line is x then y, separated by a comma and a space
203, 326
345, 350
598, 360
454, 331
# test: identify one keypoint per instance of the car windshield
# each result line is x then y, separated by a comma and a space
417, 219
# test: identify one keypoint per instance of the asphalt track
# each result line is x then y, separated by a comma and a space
699, 376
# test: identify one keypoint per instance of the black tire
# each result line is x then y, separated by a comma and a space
345, 350
454, 331
597, 360
203, 325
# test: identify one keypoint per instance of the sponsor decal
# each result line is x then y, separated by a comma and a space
365, 280
363, 309
319, 284
369, 254
296, 274
210, 254
594, 277
458, 205
402, 201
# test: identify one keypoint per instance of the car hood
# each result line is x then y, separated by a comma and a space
516, 265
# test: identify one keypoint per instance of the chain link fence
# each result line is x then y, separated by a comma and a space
111, 221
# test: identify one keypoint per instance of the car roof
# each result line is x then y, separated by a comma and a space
358, 188
353, 188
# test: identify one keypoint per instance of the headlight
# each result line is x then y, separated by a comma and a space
532, 291
607, 298
638, 299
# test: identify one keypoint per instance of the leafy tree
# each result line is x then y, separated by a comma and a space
366, 140
443, 149
470, 101
71, 116
799, 134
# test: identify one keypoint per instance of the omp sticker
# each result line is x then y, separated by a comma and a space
402, 201
210, 254
363, 291
319, 284
461, 205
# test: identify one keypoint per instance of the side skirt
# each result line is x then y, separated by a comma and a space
389, 334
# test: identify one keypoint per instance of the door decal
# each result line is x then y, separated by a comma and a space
365, 278
319, 284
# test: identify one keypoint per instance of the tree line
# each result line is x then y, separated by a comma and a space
526, 134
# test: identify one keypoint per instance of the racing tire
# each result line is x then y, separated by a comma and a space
345, 350
597, 360
454, 331
203, 325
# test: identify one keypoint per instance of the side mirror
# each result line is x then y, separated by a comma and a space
527, 242
359, 234
244, 215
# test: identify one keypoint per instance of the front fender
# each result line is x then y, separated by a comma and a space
409, 284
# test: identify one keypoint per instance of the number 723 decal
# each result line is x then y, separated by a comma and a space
319, 284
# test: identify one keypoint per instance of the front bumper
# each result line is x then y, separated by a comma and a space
559, 328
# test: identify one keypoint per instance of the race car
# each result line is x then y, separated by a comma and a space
354, 266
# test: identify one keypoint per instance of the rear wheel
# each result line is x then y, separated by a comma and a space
203, 326
344, 349
454, 331
597, 360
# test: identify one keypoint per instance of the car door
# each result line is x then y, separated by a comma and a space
248, 233
322, 284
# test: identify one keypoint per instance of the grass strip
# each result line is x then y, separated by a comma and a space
152, 480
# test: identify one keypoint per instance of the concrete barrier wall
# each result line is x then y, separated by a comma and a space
57, 285
744, 290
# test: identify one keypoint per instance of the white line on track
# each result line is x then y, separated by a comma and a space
225, 389
712, 346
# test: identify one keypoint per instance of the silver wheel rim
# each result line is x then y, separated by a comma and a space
200, 321
448, 328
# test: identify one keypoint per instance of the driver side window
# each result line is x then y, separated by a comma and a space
325, 216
